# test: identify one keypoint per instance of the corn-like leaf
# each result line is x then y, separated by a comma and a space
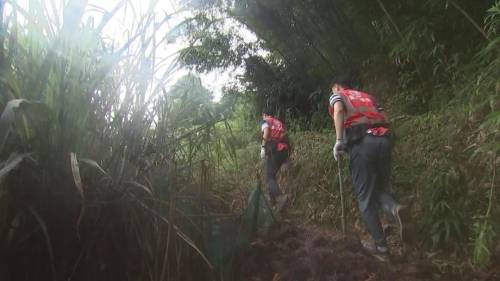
7, 118
45, 232
141, 186
93, 164
12, 162
75, 169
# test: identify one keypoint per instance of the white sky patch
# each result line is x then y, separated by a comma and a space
125, 18
129, 16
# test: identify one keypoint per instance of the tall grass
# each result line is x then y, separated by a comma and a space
89, 159
486, 227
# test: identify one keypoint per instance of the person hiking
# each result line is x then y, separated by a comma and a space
274, 151
362, 130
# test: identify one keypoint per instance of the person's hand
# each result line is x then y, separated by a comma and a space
263, 152
339, 148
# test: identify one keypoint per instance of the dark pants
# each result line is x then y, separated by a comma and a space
370, 165
274, 160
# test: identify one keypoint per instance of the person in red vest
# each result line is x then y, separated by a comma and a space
362, 130
274, 151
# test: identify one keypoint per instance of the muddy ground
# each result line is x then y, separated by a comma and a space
307, 253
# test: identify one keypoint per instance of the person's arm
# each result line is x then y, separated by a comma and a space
338, 118
265, 135
265, 138
338, 121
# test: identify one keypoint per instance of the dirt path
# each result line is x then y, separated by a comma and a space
303, 253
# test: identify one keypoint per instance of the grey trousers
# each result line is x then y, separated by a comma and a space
370, 166
274, 160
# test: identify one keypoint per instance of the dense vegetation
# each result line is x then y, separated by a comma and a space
99, 159
94, 149
435, 64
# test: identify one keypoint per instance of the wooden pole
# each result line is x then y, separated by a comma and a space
341, 187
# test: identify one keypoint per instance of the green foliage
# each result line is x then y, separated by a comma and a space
485, 228
93, 147
484, 237
421, 41
190, 102
492, 26
93, 150
435, 66
312, 181
212, 44
445, 210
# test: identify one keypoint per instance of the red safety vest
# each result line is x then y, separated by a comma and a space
278, 132
360, 108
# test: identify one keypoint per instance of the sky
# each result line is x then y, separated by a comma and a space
214, 81
130, 14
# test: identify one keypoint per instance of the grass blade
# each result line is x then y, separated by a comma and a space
180, 233
93, 164
12, 162
140, 186
7, 119
45, 232
75, 169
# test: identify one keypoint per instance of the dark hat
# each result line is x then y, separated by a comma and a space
344, 80
268, 111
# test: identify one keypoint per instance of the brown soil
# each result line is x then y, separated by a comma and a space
307, 253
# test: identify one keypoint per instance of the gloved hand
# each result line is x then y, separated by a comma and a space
339, 148
263, 152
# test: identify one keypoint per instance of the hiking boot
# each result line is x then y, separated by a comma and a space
379, 252
402, 216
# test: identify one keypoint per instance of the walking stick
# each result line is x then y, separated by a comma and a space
339, 165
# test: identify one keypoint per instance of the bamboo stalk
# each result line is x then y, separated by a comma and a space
341, 188
382, 6
470, 19
492, 189
398, 31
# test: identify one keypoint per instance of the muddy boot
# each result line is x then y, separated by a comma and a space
381, 253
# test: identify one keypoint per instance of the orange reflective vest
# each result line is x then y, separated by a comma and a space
277, 133
361, 109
